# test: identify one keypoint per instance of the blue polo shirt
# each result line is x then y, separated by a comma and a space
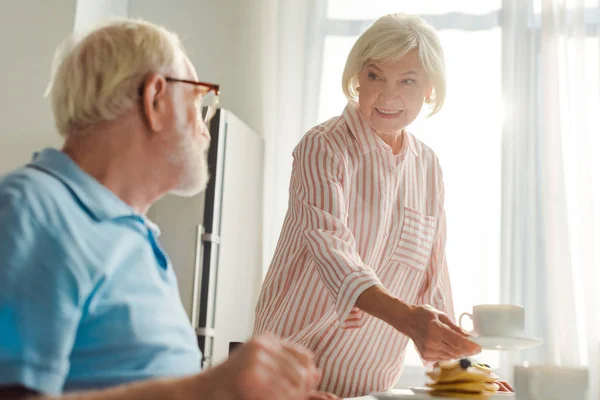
87, 297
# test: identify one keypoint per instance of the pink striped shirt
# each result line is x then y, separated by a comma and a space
358, 216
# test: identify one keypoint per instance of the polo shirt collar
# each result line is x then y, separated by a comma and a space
95, 198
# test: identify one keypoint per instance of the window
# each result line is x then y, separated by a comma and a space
579, 167
466, 134
371, 10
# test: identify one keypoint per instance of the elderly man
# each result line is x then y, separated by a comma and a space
88, 299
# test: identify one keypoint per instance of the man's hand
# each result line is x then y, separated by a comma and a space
436, 337
265, 368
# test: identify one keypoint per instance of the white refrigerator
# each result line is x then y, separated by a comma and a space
214, 239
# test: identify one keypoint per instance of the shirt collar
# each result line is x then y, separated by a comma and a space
365, 135
96, 198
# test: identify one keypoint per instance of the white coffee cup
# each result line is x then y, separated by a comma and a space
505, 320
545, 382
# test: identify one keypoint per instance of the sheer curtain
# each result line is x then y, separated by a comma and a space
522, 120
551, 179
286, 51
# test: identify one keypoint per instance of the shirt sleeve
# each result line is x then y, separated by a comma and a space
317, 183
40, 301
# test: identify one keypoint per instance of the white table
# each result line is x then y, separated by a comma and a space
405, 394
361, 398
395, 394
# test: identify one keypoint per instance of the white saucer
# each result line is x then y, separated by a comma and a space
505, 342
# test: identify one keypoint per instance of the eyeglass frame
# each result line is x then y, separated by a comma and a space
211, 87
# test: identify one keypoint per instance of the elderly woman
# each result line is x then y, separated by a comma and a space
360, 266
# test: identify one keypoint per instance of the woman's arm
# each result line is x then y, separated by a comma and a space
434, 334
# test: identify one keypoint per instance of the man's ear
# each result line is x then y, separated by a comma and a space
154, 101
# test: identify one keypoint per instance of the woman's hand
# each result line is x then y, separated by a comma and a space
505, 387
434, 334
322, 396
436, 337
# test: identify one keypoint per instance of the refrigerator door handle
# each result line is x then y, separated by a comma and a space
197, 278
206, 332
211, 238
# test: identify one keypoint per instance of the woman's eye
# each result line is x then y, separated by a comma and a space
373, 76
408, 81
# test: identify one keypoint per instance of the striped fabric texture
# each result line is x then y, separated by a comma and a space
358, 216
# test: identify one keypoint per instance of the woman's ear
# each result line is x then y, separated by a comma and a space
429, 91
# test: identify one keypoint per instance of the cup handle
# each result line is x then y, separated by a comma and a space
461, 319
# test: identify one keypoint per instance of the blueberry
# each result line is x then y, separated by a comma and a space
465, 363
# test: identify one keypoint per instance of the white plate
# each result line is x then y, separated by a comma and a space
416, 393
418, 390
426, 390
505, 342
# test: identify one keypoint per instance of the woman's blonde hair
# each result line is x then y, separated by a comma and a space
96, 77
388, 40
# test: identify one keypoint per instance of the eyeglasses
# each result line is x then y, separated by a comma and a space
210, 96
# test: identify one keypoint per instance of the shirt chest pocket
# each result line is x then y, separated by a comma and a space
416, 239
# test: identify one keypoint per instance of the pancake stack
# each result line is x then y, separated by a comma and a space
462, 379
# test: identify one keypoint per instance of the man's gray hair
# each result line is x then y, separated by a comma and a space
97, 77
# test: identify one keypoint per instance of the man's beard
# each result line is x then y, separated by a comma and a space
192, 158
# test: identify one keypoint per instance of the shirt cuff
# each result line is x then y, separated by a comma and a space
32, 377
350, 316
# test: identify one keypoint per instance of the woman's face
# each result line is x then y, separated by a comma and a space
391, 95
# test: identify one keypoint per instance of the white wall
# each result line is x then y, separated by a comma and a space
223, 39
229, 43
30, 31
91, 12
